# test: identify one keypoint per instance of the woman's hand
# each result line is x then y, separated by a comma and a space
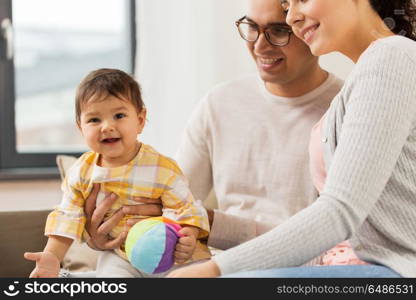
201, 270
99, 230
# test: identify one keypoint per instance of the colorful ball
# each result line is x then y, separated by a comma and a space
151, 243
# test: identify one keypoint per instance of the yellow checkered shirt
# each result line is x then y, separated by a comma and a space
149, 174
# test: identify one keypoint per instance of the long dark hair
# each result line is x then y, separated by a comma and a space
399, 15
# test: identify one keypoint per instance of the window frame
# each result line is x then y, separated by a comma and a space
14, 165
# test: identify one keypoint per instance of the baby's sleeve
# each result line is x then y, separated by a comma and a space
179, 204
68, 218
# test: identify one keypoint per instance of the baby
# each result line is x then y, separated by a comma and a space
110, 114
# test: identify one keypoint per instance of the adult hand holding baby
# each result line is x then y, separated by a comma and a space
99, 229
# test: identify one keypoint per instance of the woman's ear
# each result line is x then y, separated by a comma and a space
141, 116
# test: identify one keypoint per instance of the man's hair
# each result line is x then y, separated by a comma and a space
101, 83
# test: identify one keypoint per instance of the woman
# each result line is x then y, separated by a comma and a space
368, 149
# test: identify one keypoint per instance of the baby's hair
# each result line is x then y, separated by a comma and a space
101, 83
399, 15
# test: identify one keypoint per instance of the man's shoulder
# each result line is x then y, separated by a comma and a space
335, 84
242, 86
250, 79
328, 89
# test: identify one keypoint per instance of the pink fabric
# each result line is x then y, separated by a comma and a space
341, 254
316, 157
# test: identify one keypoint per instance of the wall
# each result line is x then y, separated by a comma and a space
28, 195
179, 63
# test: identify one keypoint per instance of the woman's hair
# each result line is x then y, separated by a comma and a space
101, 83
399, 15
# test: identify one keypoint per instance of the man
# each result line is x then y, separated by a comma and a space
248, 139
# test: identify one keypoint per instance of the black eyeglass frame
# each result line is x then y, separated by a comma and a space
263, 30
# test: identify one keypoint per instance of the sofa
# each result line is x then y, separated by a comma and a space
22, 231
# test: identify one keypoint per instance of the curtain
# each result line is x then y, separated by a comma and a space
184, 48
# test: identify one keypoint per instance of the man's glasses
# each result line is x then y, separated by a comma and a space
277, 35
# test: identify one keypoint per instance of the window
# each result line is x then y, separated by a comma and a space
46, 48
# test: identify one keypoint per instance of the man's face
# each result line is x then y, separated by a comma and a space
278, 65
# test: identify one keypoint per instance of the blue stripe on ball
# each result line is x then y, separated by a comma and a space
149, 249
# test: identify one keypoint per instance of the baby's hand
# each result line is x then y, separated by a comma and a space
186, 244
47, 264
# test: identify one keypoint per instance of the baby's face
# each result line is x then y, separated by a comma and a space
110, 127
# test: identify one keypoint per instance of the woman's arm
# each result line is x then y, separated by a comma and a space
381, 110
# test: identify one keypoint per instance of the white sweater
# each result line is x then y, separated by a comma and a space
370, 192
251, 147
